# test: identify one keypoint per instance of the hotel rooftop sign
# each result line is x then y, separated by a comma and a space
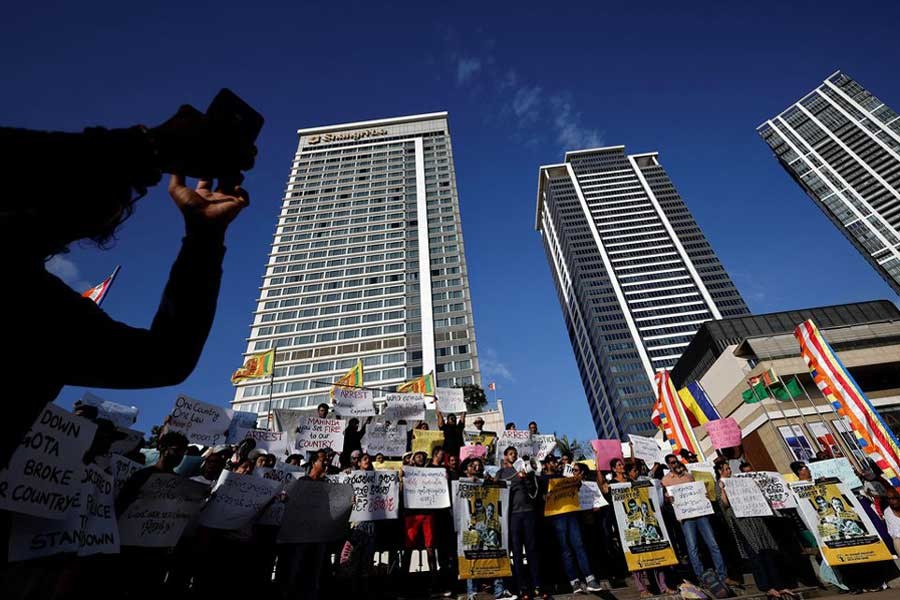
326, 138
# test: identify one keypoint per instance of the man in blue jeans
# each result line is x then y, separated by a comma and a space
677, 475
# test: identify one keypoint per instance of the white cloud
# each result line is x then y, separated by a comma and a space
68, 271
526, 103
493, 368
569, 130
466, 68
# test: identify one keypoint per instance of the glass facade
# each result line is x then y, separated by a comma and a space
842, 145
367, 263
634, 274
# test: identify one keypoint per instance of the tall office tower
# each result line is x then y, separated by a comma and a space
842, 145
634, 274
367, 263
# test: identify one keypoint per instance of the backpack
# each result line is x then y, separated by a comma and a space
689, 591
714, 586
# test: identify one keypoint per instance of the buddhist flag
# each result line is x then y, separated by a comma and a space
352, 378
836, 383
420, 385
256, 366
699, 409
98, 292
668, 415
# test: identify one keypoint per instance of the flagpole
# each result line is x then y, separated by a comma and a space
112, 279
829, 428
797, 408
762, 403
269, 417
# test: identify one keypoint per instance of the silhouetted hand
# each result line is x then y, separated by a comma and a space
205, 208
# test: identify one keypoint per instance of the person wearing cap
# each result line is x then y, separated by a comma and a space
353, 463
258, 457
478, 423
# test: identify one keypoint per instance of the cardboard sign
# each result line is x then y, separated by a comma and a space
241, 422
388, 465
44, 475
123, 417
383, 439
425, 488
122, 469
724, 433
642, 530
481, 524
646, 449
164, 506
353, 402
562, 496
314, 434
605, 451
706, 474
202, 423
773, 486
315, 512
450, 400
376, 495
237, 500
404, 407
272, 442
544, 445
518, 439
838, 468
472, 452
425, 440
690, 500
284, 474
590, 497
746, 499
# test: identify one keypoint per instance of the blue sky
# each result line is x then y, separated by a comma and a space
522, 82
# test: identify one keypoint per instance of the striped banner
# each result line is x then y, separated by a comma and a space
668, 415
841, 390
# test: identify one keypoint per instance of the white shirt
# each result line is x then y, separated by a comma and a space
893, 523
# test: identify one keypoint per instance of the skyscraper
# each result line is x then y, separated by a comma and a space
367, 262
842, 145
634, 274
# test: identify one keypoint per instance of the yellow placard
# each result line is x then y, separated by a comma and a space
482, 549
388, 465
425, 440
562, 496
641, 527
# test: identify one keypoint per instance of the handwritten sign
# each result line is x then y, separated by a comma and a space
122, 469
316, 512
451, 400
121, 416
236, 500
376, 495
425, 488
271, 442
773, 486
544, 445
704, 473
605, 451
425, 440
314, 434
645, 449
590, 497
724, 433
202, 423
839, 468
389, 440
746, 499
164, 506
43, 478
472, 452
404, 407
241, 422
690, 500
518, 439
353, 402
562, 496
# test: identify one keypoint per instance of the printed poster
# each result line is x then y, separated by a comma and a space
773, 486
480, 519
562, 496
642, 530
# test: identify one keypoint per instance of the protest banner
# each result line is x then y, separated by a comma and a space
472, 452
568, 470
425, 488
605, 451
314, 433
241, 422
163, 507
518, 439
130, 440
202, 423
562, 496
404, 407
642, 530
590, 497
123, 417
543, 445
425, 440
480, 438
389, 440
646, 449
838, 468
746, 499
281, 472
388, 465
626, 450
773, 486
236, 500
480, 516
450, 400
705, 473
315, 512
287, 420
724, 433
376, 495
44, 474
844, 533
122, 468
690, 500
353, 402
272, 442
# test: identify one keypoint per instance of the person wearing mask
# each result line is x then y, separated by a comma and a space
678, 474
453, 431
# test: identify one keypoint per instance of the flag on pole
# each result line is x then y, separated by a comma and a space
98, 292
256, 366
769, 381
492, 387
668, 415
352, 378
841, 390
699, 409
419, 385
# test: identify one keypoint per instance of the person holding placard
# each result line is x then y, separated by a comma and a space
453, 431
353, 435
754, 541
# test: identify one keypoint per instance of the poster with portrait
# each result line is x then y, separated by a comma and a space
843, 530
641, 528
482, 533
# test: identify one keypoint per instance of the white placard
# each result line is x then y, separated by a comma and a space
646, 449
122, 468
353, 402
272, 442
389, 440
590, 496
161, 511
404, 407
690, 500
237, 500
241, 422
285, 474
315, 434
450, 400
202, 423
543, 445
376, 495
518, 439
835, 467
425, 488
122, 416
773, 487
746, 499
43, 478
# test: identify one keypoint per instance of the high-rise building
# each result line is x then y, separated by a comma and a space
634, 274
367, 263
842, 145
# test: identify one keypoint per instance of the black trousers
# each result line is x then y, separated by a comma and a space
523, 532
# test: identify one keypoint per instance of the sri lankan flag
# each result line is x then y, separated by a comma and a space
258, 365
421, 385
352, 378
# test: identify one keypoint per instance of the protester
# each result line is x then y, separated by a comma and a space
533, 428
523, 531
892, 518
322, 411
510, 426
453, 431
210, 469
353, 435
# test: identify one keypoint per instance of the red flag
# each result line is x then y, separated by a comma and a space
492, 387
98, 292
